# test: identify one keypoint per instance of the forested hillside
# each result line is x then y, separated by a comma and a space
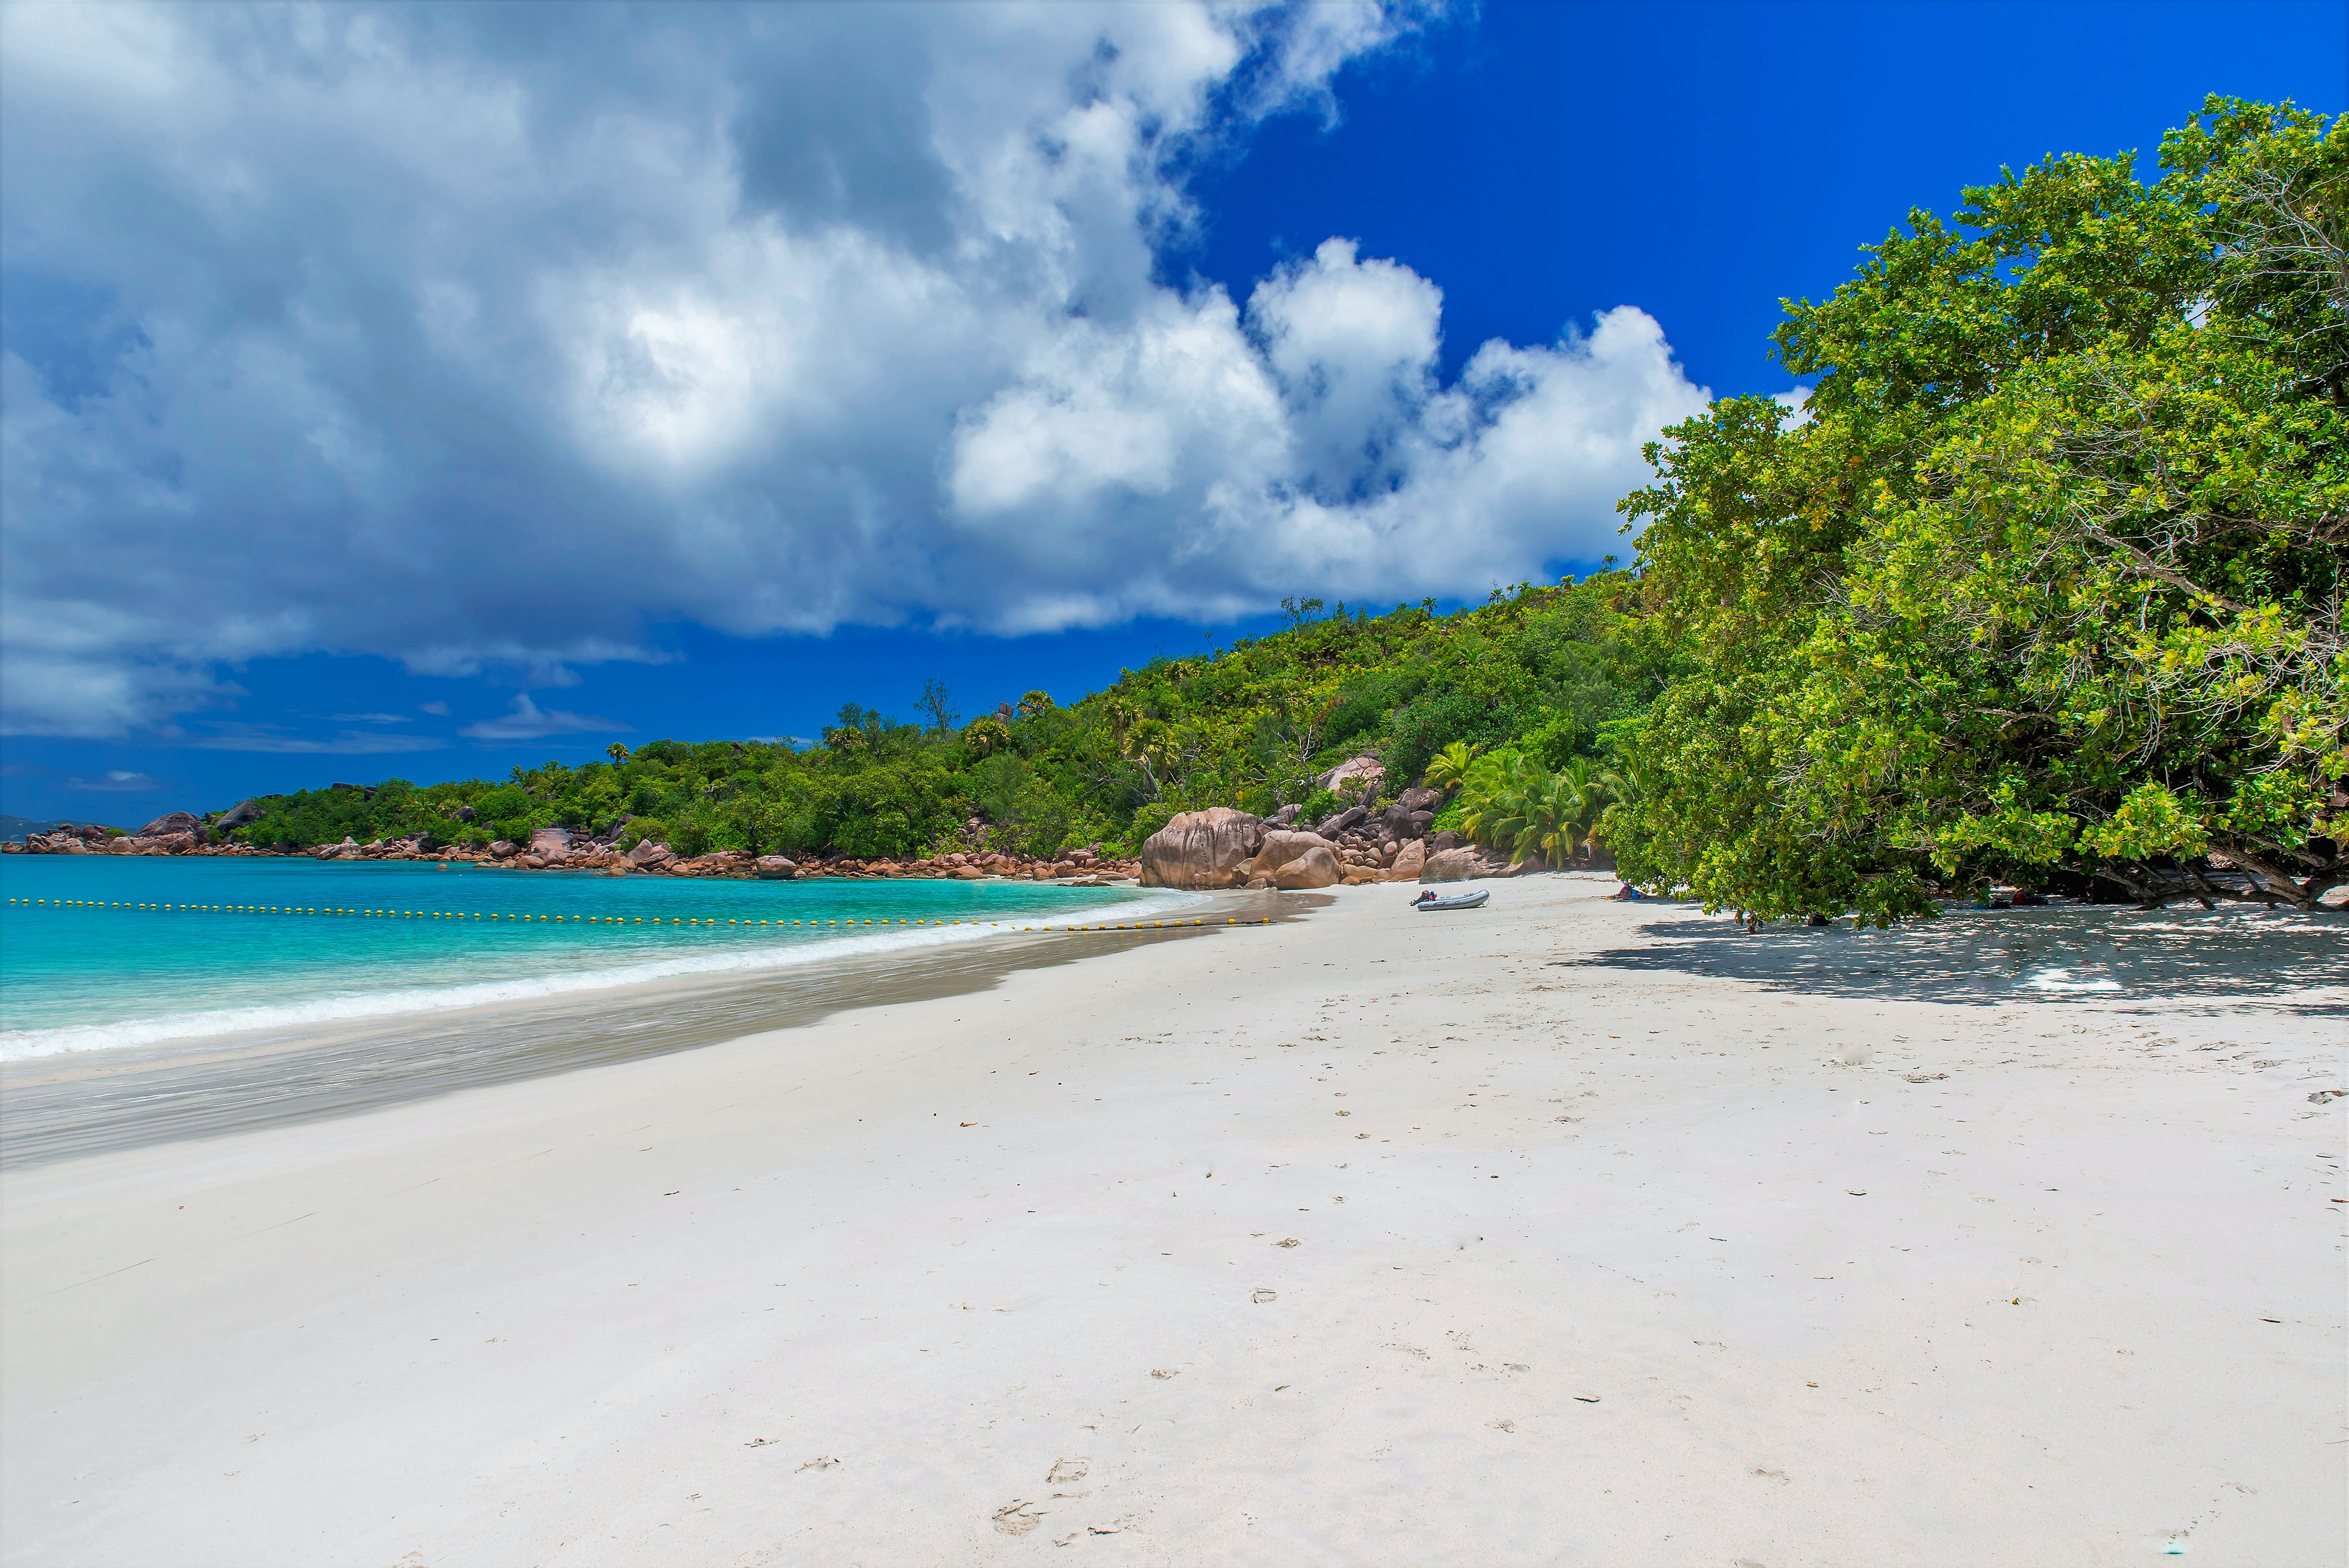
2043, 583
1549, 669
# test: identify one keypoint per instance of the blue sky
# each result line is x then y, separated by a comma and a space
425, 391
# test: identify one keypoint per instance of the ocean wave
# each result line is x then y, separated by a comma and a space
24, 1044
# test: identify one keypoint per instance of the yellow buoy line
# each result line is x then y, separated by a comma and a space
64, 904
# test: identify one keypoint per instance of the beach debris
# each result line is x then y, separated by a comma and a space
1260, 1297
1924, 1077
1503, 1425
1587, 1398
1345, 1113
1287, 1241
822, 1462
1855, 1191
2322, 1094
1067, 1470
1163, 1373
1018, 1517
969, 1124
758, 1442
1777, 1475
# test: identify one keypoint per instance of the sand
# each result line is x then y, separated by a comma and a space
1565, 1232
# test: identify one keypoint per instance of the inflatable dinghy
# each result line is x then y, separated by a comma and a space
1432, 900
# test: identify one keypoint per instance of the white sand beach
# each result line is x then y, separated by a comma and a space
1544, 1234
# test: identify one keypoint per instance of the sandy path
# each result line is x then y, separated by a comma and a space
1599, 1265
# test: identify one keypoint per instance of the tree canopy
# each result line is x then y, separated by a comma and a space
2044, 580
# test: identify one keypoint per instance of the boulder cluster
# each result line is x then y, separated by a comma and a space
178, 833
1079, 867
561, 848
1223, 847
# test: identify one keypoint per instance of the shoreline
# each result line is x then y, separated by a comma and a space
189, 1030
64, 1103
1545, 1233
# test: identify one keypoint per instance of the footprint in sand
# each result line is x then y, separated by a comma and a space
1018, 1517
1066, 1470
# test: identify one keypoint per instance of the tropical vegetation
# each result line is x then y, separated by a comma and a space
2044, 580
1544, 672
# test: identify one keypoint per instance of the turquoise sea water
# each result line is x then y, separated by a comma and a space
86, 973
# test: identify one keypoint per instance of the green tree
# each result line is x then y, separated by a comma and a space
2045, 579
1449, 767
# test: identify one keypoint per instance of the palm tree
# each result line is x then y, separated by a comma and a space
1555, 824
1510, 801
1584, 796
1500, 801
1449, 768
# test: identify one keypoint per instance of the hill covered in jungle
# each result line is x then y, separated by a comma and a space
1552, 674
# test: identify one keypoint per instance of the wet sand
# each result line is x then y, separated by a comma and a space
1563, 1232
85, 1102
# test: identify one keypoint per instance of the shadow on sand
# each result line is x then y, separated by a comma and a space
2103, 953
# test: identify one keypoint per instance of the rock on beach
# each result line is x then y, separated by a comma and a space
1202, 849
1294, 860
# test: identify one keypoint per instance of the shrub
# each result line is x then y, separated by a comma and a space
1321, 803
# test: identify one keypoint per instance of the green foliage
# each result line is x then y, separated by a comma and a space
2047, 578
1449, 768
1320, 806
1510, 800
1250, 725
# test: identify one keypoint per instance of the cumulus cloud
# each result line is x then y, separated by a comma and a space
524, 721
488, 339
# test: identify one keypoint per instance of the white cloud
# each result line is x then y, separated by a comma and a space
524, 721
115, 781
491, 338
225, 736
